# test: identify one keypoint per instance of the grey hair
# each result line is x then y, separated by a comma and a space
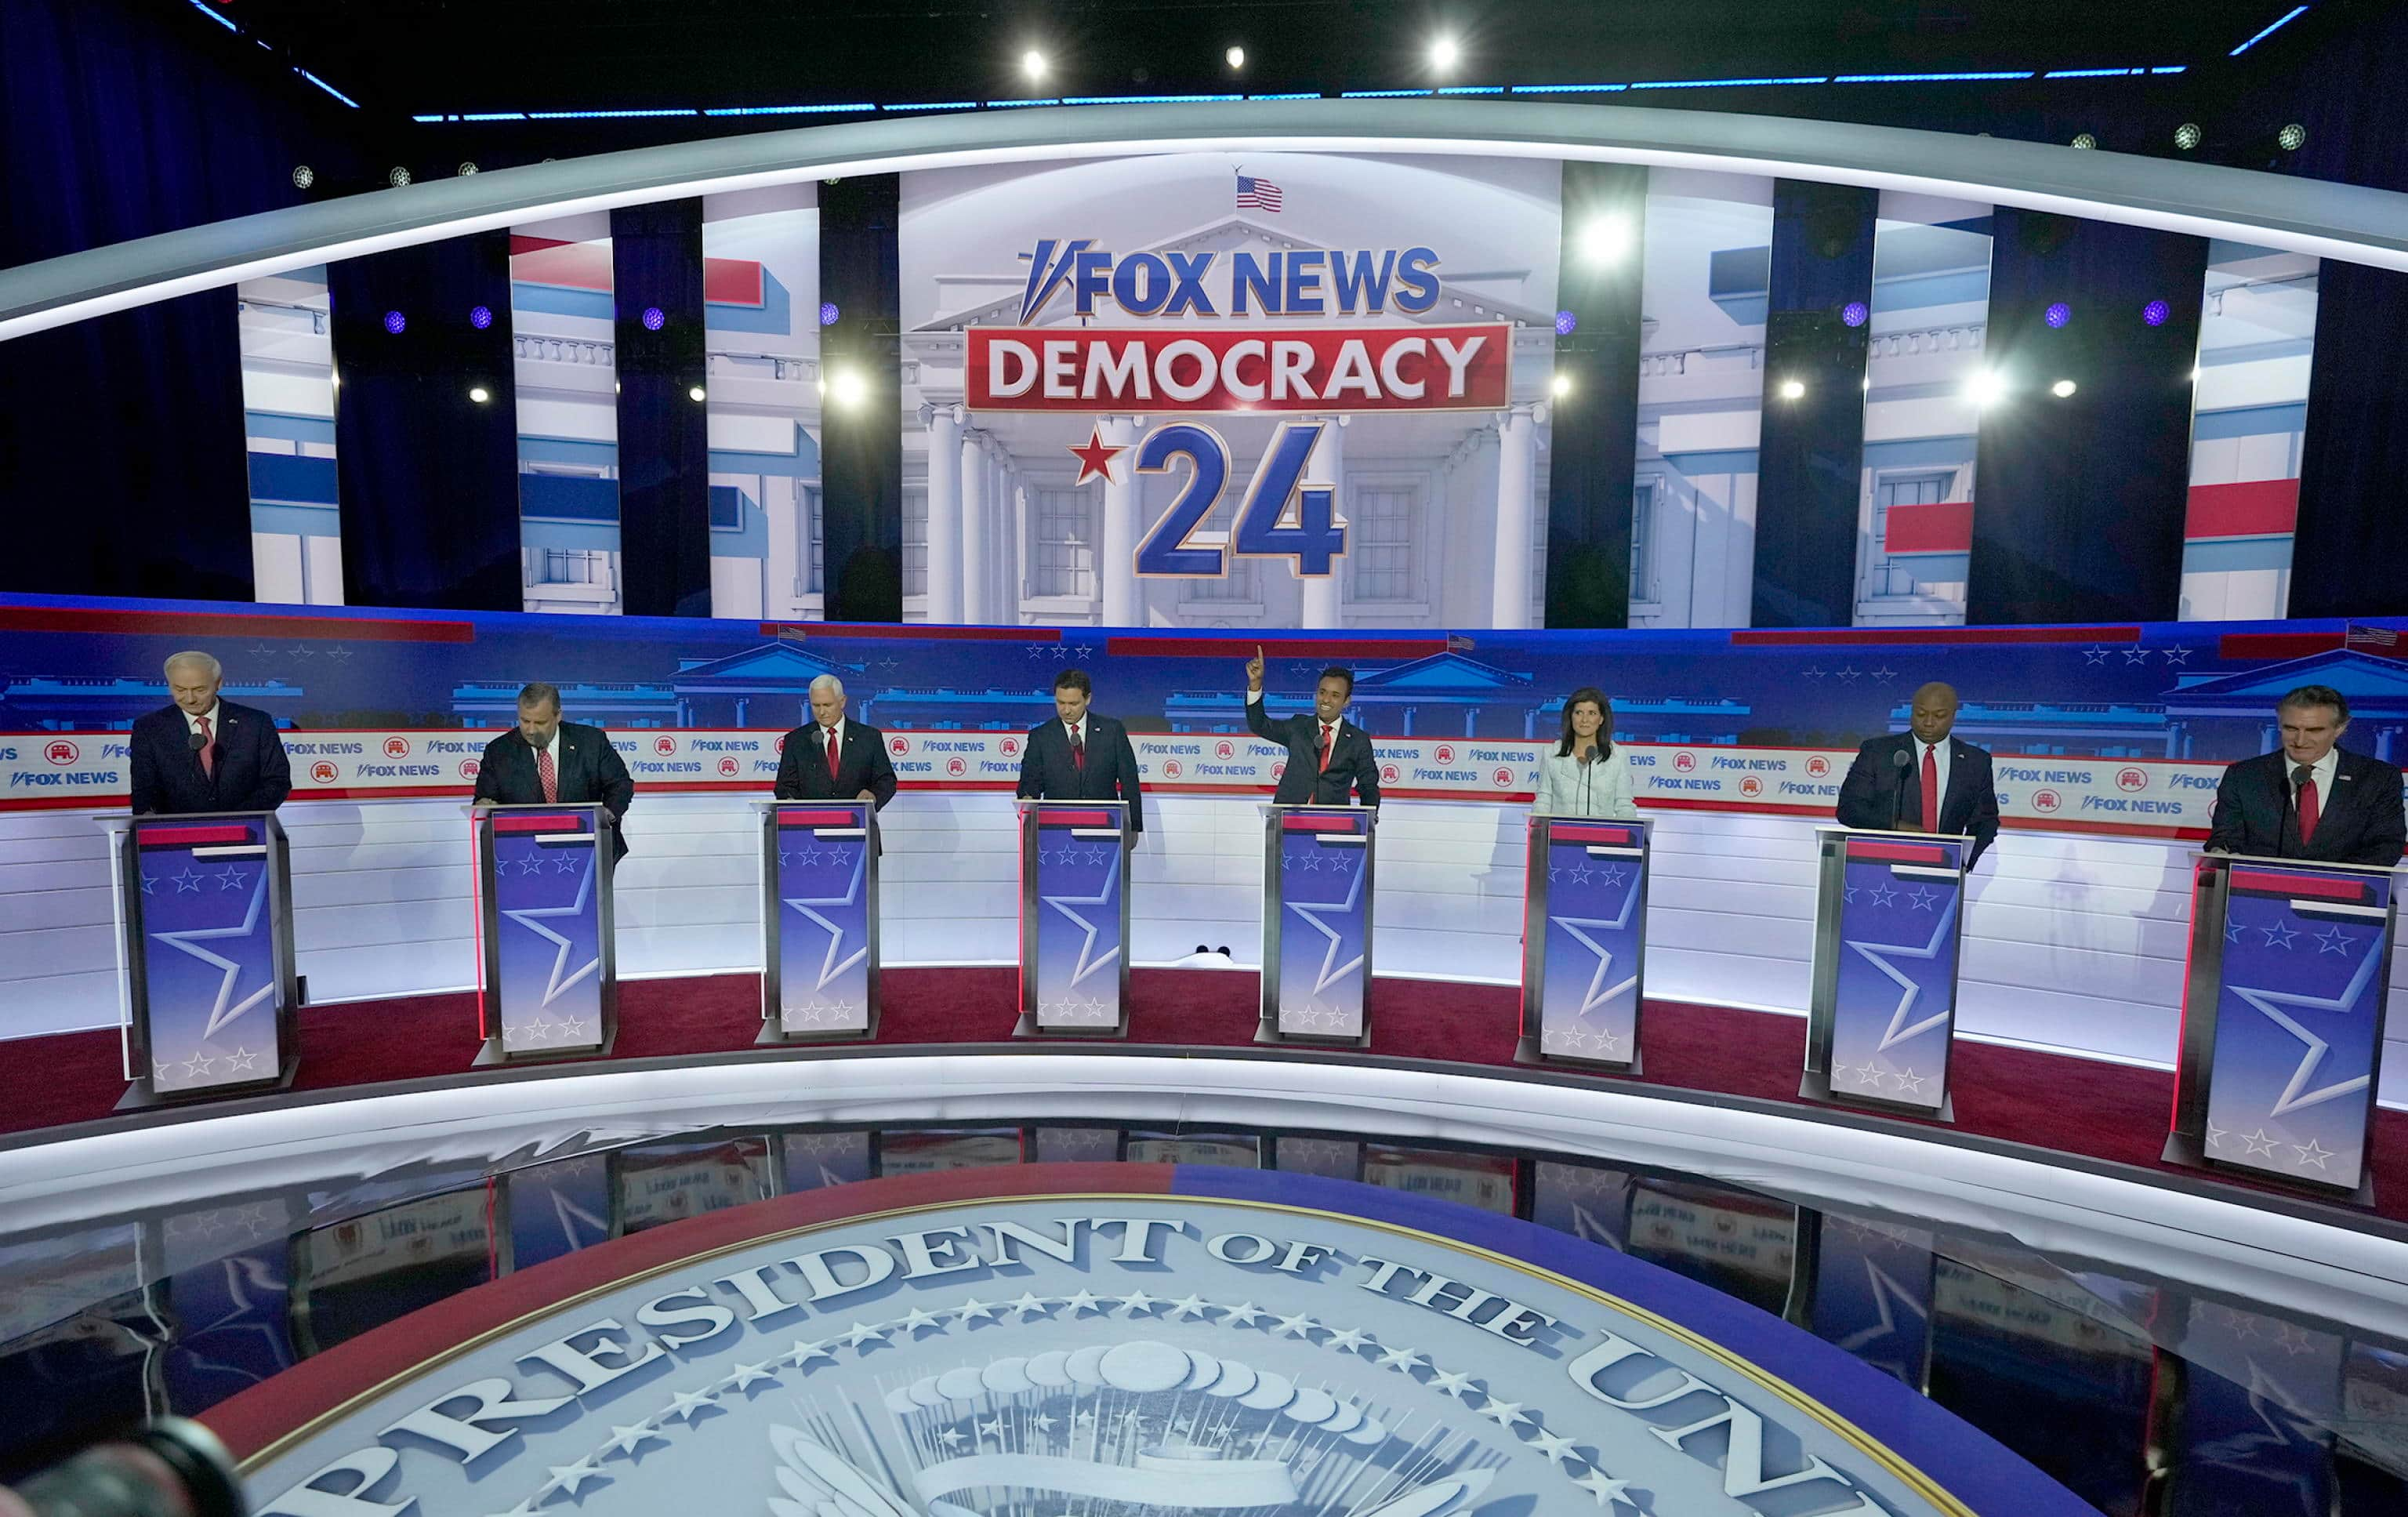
194, 658
536, 693
835, 686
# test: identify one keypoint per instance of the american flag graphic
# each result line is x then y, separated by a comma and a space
1257, 194
2387, 638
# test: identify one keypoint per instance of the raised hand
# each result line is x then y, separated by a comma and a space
1254, 669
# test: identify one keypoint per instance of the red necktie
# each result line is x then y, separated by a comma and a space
208, 748
1078, 751
2310, 808
1930, 789
550, 776
1326, 743
834, 753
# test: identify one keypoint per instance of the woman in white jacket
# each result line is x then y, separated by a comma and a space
1585, 776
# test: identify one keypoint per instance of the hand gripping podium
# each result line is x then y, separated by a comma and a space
1584, 942
1887, 913
549, 976
2280, 1051
205, 945
819, 921
1074, 919
1317, 925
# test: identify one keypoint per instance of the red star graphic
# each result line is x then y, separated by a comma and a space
1095, 458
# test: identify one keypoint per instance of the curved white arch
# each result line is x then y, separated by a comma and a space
2346, 222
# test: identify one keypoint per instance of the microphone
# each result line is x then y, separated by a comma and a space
1898, 793
194, 741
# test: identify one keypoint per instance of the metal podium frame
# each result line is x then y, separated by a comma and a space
1267, 1027
134, 1010
1832, 867
1535, 898
490, 1052
773, 1031
2195, 1052
1026, 994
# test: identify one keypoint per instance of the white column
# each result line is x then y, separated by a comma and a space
1327, 467
1015, 555
1517, 457
1116, 554
976, 477
944, 423
998, 530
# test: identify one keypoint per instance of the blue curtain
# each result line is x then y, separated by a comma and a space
663, 433
1594, 438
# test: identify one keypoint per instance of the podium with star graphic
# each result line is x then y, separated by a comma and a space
1888, 913
819, 921
205, 944
548, 985
1584, 942
1317, 924
2280, 1051
1074, 919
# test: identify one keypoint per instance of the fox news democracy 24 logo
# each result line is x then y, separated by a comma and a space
1317, 1352
49, 769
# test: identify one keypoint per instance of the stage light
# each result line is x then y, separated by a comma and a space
1444, 54
1560, 386
398, 178
1032, 64
2156, 312
466, 168
654, 318
697, 393
2057, 314
479, 394
394, 322
848, 389
1607, 238
827, 314
1566, 323
1856, 313
304, 176
1237, 57
2063, 388
1986, 388
2086, 141
2187, 135
1793, 389
480, 317
2292, 137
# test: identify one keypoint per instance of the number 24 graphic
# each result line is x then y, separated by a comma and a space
1313, 542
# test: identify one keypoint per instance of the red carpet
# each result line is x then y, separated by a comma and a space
2078, 1105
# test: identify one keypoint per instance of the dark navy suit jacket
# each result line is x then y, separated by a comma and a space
252, 772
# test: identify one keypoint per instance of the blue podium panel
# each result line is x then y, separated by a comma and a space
1317, 924
1584, 941
550, 975
1884, 1001
207, 914
1074, 912
2290, 969
819, 865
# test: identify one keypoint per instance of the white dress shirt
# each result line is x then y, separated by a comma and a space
2326, 770
217, 726
1076, 732
1939, 752
833, 736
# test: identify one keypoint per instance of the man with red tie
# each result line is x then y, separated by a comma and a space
2311, 799
1900, 780
1082, 756
1329, 759
203, 753
834, 759
544, 761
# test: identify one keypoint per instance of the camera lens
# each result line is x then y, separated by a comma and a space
169, 1468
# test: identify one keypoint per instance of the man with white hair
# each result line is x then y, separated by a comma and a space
205, 754
833, 759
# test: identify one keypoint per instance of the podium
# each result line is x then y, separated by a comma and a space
1888, 910
205, 955
1584, 942
819, 921
549, 976
1074, 919
2280, 1051
1317, 925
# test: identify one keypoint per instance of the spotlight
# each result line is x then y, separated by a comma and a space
468, 168
1444, 54
2156, 312
2187, 135
1237, 57
304, 176
2086, 141
1856, 313
827, 314
398, 178
1566, 323
1986, 388
394, 322
479, 394
1032, 64
848, 389
2057, 314
697, 393
1561, 385
1607, 238
2063, 388
2292, 137
1793, 389
654, 318
480, 317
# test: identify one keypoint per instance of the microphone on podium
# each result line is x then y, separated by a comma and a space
1898, 761
194, 742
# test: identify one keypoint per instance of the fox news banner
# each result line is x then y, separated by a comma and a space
1116, 1340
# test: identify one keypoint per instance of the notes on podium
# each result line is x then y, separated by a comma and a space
1074, 919
2280, 1051
548, 972
1317, 924
819, 921
1887, 913
208, 990
1584, 942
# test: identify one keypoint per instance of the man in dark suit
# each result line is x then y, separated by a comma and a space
1900, 780
544, 761
205, 754
861, 771
1082, 756
1329, 759
2311, 799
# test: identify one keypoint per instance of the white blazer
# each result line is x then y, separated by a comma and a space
1568, 787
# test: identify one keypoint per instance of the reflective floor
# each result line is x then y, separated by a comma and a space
2141, 1394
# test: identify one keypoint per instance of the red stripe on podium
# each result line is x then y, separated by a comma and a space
1318, 823
1619, 836
191, 836
818, 818
2314, 887
1899, 852
540, 823
1077, 818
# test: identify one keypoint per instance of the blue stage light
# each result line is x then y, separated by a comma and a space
1854, 313
1566, 323
2156, 312
654, 318
2285, 20
829, 313
2059, 314
394, 322
480, 317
